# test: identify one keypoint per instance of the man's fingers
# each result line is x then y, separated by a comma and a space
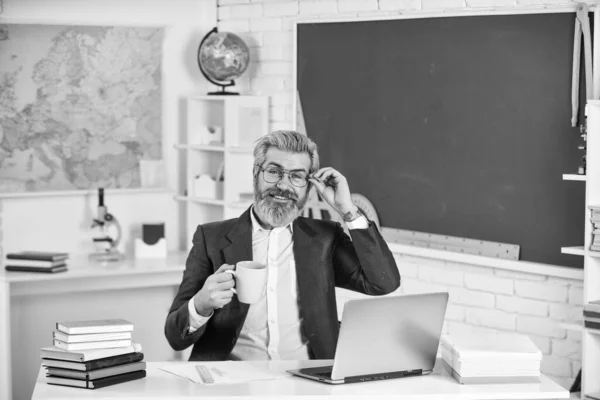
225, 285
319, 174
224, 267
328, 176
224, 277
318, 184
221, 294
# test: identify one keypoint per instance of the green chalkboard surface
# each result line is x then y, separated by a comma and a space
457, 125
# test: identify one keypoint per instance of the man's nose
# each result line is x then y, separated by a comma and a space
285, 181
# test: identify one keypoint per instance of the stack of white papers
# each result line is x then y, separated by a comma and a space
223, 372
492, 358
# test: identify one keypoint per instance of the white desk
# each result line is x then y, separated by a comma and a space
439, 385
138, 290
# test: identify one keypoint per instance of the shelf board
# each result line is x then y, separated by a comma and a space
579, 251
214, 202
199, 147
574, 177
575, 250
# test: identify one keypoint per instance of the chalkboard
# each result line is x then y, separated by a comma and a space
457, 125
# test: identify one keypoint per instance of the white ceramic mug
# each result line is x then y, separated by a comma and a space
250, 280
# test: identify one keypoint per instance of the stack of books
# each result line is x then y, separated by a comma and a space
36, 261
93, 354
591, 314
492, 358
595, 218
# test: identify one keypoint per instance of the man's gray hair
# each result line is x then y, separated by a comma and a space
291, 141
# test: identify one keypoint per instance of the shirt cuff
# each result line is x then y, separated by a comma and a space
359, 223
196, 320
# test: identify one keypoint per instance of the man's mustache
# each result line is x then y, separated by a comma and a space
286, 194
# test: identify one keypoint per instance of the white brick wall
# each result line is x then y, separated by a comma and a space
482, 299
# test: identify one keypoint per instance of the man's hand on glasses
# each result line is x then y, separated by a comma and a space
333, 187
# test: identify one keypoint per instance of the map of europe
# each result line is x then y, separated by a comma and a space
80, 106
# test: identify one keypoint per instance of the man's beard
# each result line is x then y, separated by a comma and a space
275, 213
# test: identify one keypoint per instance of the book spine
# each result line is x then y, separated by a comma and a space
43, 270
35, 257
92, 337
113, 380
97, 354
591, 314
592, 325
108, 344
113, 361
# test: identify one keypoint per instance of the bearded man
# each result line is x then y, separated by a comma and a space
296, 317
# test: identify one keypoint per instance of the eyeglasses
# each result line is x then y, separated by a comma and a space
275, 174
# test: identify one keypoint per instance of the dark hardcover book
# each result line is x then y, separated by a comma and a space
37, 255
34, 263
59, 268
95, 364
97, 373
592, 325
591, 314
96, 383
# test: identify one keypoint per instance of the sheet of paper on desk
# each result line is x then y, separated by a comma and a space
224, 372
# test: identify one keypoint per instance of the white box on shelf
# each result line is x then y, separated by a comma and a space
156, 250
209, 135
206, 187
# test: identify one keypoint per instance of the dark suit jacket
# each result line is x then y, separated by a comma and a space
325, 257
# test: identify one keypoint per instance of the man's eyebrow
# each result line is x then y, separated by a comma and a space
274, 164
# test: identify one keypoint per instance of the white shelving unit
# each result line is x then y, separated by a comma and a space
216, 158
574, 250
574, 177
591, 282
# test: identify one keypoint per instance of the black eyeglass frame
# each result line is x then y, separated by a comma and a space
282, 172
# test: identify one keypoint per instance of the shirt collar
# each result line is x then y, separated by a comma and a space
257, 227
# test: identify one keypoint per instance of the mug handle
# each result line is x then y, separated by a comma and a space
232, 272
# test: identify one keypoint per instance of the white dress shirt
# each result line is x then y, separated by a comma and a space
272, 329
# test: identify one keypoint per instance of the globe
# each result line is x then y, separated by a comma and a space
222, 58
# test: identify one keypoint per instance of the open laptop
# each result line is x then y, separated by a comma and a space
384, 338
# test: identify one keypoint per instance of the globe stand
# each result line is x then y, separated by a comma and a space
223, 92
223, 85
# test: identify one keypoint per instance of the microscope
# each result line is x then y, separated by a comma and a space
107, 233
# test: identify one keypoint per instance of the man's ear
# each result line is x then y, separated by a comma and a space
255, 173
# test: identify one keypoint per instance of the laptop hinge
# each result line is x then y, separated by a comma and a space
382, 376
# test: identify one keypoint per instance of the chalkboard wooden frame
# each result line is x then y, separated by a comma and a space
557, 258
